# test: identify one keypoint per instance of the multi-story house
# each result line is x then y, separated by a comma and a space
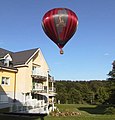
7, 85
25, 80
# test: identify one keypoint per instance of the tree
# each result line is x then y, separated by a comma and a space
112, 72
91, 92
61, 92
74, 96
111, 80
102, 95
62, 97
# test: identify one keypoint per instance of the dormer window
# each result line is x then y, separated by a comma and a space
7, 60
1, 61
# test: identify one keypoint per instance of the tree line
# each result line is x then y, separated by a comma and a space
92, 92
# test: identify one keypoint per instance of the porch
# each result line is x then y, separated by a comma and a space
30, 106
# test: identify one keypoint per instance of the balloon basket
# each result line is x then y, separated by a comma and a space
61, 51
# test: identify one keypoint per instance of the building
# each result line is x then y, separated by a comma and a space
25, 81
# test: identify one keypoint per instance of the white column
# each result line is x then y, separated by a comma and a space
47, 94
30, 96
24, 97
52, 86
47, 86
52, 103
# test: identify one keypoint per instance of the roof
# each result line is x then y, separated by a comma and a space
4, 52
19, 58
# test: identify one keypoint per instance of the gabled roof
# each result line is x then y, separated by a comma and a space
19, 58
4, 52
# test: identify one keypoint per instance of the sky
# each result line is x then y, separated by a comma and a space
89, 53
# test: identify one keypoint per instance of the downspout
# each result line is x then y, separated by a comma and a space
47, 92
47, 82
15, 89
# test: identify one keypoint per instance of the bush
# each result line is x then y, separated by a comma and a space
110, 110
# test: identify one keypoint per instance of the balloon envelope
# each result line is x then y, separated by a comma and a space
60, 24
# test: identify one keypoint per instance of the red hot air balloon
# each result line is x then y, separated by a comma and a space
60, 24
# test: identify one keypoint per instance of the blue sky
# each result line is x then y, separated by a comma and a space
89, 53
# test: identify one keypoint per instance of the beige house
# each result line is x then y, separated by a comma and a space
33, 87
7, 83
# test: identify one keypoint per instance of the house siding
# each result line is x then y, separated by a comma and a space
11, 75
28, 81
24, 76
23, 80
7, 91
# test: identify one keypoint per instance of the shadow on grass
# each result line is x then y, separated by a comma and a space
18, 117
94, 110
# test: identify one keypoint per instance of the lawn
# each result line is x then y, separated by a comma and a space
87, 112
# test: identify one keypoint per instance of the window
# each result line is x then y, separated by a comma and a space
5, 81
35, 70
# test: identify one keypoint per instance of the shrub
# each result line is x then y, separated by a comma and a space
110, 110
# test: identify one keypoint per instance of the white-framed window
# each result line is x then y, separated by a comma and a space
5, 81
35, 70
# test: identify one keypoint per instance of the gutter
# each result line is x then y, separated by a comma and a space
8, 69
14, 89
24, 65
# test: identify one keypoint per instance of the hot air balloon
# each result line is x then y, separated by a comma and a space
60, 24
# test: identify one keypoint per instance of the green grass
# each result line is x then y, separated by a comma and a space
96, 117
88, 112
83, 109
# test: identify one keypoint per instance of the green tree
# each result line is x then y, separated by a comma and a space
74, 96
112, 72
111, 80
102, 95
61, 92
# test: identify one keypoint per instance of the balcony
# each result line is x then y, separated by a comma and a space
51, 79
39, 75
52, 89
39, 88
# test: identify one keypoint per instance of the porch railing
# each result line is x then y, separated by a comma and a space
30, 106
39, 73
42, 89
52, 89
